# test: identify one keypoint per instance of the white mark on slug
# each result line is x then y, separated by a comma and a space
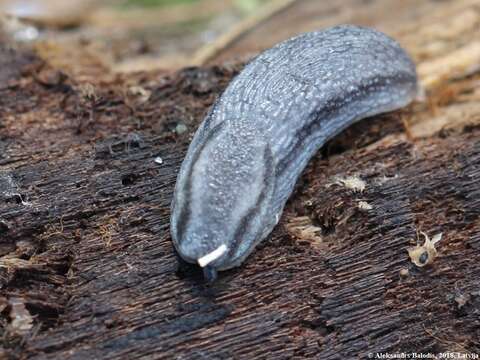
214, 255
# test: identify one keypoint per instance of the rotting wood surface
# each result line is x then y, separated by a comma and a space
87, 268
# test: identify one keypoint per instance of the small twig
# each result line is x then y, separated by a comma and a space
211, 50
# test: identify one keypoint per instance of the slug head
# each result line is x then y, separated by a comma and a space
221, 203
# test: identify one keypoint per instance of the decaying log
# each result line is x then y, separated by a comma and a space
88, 271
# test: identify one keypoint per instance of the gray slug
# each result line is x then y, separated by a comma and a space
246, 156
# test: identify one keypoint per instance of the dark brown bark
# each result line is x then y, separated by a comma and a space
85, 244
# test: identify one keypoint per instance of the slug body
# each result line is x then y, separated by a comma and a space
248, 153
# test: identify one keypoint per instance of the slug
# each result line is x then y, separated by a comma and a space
249, 151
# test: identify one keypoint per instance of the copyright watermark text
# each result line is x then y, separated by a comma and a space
416, 355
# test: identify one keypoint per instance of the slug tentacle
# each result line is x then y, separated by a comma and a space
247, 155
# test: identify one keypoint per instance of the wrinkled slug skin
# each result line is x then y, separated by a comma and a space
246, 156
